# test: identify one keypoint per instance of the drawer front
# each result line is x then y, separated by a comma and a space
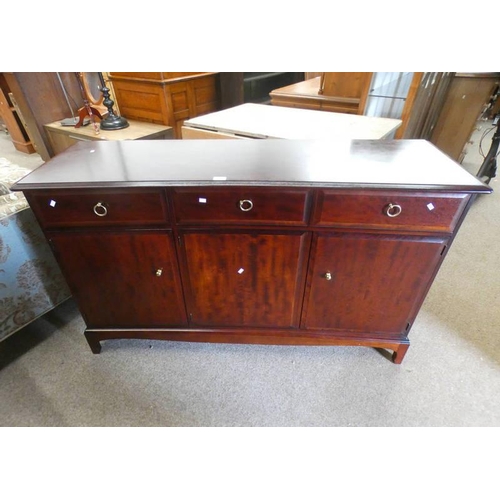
57, 208
241, 206
390, 210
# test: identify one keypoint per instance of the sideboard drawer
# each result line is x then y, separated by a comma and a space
58, 208
390, 209
241, 205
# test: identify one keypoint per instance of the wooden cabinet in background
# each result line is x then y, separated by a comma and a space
165, 98
467, 97
354, 85
13, 119
40, 97
61, 138
338, 92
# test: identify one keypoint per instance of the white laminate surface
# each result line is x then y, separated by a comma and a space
264, 121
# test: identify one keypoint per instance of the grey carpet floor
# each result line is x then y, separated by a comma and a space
450, 376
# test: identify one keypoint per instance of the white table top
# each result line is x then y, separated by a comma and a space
265, 121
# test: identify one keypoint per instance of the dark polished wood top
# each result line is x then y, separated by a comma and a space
272, 162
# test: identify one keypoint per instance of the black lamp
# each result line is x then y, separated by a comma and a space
112, 121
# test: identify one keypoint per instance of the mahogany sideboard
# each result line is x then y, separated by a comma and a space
270, 242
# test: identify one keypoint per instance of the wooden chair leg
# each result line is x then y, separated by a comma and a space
399, 353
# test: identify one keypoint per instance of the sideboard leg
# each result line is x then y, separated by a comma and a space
399, 353
94, 344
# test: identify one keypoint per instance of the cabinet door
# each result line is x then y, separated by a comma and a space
122, 279
237, 279
368, 283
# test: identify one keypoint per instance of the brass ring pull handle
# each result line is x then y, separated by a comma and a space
392, 210
100, 209
246, 205
327, 276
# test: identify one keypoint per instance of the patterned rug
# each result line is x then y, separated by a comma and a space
11, 202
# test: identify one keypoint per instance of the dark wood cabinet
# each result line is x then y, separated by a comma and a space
126, 279
244, 279
368, 282
270, 242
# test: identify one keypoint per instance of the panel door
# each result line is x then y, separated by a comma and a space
368, 283
241, 279
122, 279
